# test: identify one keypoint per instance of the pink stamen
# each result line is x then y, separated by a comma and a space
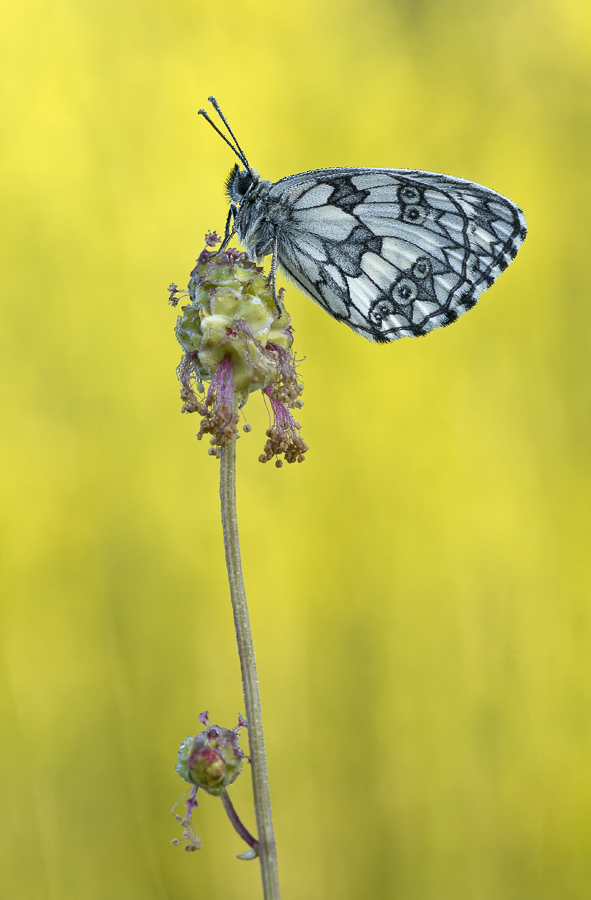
221, 387
211, 238
282, 419
191, 802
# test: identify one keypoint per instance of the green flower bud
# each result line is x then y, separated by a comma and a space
212, 760
237, 336
233, 312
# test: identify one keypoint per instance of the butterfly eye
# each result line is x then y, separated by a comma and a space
421, 268
405, 291
409, 194
414, 214
381, 310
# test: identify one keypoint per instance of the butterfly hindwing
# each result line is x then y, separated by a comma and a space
393, 252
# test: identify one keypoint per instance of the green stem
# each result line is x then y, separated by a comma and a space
256, 742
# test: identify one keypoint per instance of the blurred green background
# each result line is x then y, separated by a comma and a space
419, 589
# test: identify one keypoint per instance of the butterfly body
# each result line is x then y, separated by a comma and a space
392, 253
258, 218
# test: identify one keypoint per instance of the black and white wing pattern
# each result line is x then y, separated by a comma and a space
392, 252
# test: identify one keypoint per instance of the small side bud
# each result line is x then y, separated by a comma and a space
212, 760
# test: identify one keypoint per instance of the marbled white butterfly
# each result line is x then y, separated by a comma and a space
391, 252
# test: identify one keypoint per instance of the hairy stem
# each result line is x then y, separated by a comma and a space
260, 781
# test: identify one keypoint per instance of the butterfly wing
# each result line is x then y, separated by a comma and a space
393, 252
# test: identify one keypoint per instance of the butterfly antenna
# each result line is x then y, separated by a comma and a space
241, 153
215, 105
202, 112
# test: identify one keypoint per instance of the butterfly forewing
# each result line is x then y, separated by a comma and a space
392, 252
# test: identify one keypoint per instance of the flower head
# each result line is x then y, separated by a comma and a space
237, 336
212, 760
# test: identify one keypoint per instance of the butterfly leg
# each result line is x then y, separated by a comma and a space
230, 230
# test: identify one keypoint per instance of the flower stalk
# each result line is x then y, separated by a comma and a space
239, 826
237, 339
260, 782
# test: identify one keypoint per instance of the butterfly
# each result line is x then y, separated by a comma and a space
392, 253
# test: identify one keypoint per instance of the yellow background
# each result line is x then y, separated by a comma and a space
419, 589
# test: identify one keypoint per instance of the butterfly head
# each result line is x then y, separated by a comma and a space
239, 184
